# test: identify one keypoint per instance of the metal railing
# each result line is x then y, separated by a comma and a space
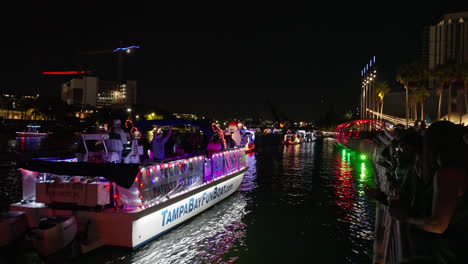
161, 181
392, 119
391, 239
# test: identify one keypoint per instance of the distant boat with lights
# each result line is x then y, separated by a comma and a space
291, 139
249, 140
91, 201
31, 131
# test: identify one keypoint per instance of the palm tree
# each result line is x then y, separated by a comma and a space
464, 76
421, 74
439, 74
412, 98
404, 77
381, 89
452, 76
419, 94
35, 113
412, 76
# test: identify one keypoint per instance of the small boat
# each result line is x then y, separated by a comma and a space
31, 131
54, 233
310, 136
291, 139
120, 204
301, 135
249, 140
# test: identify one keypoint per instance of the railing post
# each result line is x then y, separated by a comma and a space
379, 230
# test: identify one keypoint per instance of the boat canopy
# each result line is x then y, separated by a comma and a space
203, 125
121, 173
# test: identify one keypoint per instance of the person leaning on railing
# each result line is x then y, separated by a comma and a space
400, 169
444, 231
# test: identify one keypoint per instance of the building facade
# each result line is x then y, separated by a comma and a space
91, 91
80, 91
446, 41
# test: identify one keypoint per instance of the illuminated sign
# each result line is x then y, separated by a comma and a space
193, 203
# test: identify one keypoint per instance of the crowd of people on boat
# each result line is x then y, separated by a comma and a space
167, 142
427, 170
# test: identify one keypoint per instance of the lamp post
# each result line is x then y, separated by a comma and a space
368, 102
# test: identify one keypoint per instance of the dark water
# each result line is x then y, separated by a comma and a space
296, 204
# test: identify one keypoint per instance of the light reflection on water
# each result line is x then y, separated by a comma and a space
297, 204
355, 213
28, 143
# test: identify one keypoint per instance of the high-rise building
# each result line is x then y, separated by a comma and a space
99, 93
80, 91
131, 89
446, 41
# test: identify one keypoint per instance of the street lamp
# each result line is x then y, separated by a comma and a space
368, 100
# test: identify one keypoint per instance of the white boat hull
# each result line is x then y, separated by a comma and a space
134, 228
153, 225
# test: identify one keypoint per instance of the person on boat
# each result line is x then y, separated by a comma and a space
179, 152
445, 229
214, 145
123, 136
177, 142
194, 142
234, 132
158, 142
230, 143
115, 143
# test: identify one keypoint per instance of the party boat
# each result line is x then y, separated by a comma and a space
31, 131
93, 201
291, 139
249, 140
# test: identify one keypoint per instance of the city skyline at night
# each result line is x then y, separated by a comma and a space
303, 60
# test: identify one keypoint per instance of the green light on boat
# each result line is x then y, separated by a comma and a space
363, 157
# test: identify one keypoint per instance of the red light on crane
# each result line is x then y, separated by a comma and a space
63, 72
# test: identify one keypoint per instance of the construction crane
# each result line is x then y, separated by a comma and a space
121, 50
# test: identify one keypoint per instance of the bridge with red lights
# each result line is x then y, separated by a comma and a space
353, 129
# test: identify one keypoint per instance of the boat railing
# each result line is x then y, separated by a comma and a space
153, 183
158, 182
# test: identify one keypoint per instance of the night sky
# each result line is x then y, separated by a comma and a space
221, 61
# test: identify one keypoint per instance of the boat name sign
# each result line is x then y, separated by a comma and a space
174, 213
